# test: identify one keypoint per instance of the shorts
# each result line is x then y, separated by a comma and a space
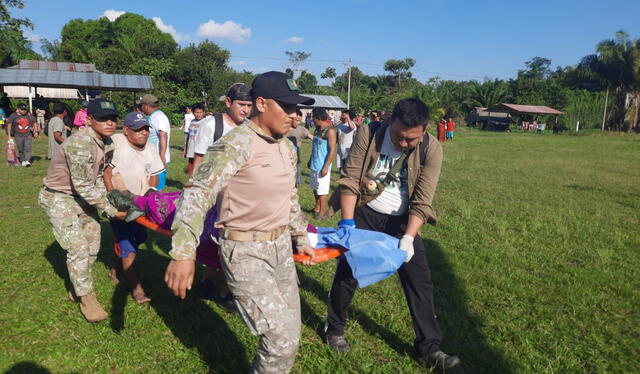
128, 236
449, 135
162, 179
320, 185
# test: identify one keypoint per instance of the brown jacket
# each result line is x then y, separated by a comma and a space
422, 180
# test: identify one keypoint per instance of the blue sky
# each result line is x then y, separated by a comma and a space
452, 39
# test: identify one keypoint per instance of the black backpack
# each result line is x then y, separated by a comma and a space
217, 133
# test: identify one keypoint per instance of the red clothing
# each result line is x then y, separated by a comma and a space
441, 126
450, 126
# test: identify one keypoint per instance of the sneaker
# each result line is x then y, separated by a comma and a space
27, 163
338, 343
439, 360
23, 163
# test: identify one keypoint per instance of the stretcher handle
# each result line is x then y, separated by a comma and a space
322, 255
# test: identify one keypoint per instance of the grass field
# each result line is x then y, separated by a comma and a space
535, 263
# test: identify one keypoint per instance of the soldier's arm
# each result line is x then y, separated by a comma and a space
221, 162
80, 162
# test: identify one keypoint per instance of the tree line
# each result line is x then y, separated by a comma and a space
603, 87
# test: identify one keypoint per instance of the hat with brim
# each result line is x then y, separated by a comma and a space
101, 108
279, 87
135, 120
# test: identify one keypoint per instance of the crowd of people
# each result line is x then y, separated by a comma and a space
244, 171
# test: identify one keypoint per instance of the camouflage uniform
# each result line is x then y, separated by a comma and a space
74, 215
260, 274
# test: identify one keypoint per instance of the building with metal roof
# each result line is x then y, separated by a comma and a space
524, 109
67, 75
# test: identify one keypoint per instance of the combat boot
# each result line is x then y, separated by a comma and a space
91, 308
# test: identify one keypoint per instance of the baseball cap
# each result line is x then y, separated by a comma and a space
135, 120
278, 86
148, 99
100, 108
238, 91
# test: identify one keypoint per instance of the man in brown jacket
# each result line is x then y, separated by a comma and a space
387, 185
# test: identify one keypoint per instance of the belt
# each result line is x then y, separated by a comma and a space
252, 236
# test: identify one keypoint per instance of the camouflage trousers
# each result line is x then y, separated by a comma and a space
77, 230
263, 279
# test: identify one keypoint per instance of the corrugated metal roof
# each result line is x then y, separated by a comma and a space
74, 79
58, 66
525, 109
325, 101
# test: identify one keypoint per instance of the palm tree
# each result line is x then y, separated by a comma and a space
487, 94
616, 66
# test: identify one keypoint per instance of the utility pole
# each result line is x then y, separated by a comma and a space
349, 86
604, 115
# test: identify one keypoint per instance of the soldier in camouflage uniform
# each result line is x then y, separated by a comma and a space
74, 194
252, 168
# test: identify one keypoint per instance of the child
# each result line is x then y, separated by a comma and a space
322, 153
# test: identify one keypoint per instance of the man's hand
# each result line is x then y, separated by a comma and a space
179, 276
406, 244
324, 171
120, 215
309, 252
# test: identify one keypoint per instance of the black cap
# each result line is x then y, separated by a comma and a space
100, 108
278, 86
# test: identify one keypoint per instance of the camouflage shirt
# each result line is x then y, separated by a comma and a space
232, 168
77, 167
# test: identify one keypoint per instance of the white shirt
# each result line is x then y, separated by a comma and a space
207, 128
132, 168
188, 117
160, 122
345, 138
394, 200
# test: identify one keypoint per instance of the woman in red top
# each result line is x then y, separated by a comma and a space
441, 130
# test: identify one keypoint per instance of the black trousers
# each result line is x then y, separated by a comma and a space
415, 277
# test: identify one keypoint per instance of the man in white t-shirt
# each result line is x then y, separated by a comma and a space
238, 103
346, 129
134, 167
159, 132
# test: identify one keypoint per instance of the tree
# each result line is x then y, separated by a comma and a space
399, 69
307, 82
329, 73
297, 58
14, 45
487, 94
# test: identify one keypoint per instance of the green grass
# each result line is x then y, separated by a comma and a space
535, 263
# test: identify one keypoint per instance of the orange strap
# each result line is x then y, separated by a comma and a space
144, 221
322, 255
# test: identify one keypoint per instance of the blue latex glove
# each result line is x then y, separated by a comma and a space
347, 223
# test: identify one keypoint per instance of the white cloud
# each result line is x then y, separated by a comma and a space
228, 30
112, 15
238, 63
168, 29
295, 39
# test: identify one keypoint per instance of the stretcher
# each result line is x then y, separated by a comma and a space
322, 254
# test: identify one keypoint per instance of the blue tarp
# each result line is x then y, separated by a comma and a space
372, 255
